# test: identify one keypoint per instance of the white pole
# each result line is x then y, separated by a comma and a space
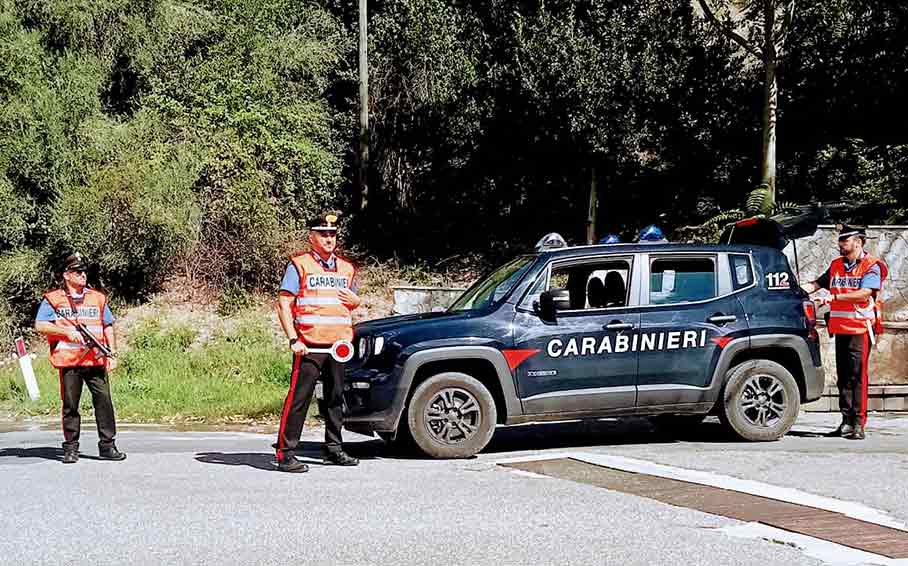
28, 372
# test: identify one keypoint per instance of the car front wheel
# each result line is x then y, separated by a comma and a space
451, 415
760, 401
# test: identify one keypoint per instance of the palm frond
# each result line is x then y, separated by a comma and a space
760, 201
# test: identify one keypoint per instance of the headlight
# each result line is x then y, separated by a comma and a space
362, 347
379, 345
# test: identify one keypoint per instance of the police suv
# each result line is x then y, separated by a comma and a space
672, 331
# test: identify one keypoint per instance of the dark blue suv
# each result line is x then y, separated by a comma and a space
671, 331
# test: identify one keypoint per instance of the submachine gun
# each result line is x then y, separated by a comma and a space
91, 341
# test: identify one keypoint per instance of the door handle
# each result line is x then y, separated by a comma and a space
722, 319
618, 326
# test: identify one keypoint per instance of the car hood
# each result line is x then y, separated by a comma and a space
408, 322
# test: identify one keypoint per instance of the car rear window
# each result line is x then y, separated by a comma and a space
681, 280
742, 274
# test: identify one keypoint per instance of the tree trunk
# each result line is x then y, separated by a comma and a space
770, 107
770, 102
591, 212
363, 172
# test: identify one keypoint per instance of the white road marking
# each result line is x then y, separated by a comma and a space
533, 475
828, 552
824, 551
786, 494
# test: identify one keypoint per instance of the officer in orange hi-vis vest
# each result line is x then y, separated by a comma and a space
854, 281
60, 315
317, 296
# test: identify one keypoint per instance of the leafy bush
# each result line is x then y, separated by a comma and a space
154, 136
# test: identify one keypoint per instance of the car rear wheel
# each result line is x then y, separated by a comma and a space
451, 415
760, 401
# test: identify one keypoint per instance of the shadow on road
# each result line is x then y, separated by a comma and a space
257, 460
40, 452
308, 452
529, 437
603, 432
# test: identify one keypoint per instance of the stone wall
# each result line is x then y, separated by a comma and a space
412, 300
889, 361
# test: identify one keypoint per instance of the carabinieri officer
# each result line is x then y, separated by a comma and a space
317, 296
854, 281
78, 362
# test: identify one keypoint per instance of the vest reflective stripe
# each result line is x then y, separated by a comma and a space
318, 301
868, 313
854, 318
313, 319
90, 312
318, 314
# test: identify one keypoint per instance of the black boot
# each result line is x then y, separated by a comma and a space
857, 433
339, 458
71, 454
289, 463
110, 452
845, 430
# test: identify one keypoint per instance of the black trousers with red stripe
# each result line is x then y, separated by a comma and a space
852, 356
71, 380
306, 370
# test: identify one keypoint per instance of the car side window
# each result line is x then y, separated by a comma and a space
591, 285
681, 280
742, 274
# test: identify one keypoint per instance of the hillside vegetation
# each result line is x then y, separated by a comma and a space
191, 138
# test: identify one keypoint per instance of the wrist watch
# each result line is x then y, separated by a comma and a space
293, 341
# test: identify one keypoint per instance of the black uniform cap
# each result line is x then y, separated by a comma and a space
74, 262
846, 231
326, 222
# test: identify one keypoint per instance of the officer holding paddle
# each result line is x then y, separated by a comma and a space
317, 296
854, 281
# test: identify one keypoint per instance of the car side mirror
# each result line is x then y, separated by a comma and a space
550, 302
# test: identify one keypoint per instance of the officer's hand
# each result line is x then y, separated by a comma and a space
111, 364
299, 348
348, 297
824, 300
75, 336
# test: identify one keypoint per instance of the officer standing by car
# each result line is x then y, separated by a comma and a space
854, 281
79, 361
317, 296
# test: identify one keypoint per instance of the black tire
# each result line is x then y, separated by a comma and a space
760, 401
677, 425
437, 422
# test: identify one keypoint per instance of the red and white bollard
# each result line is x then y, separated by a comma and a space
28, 373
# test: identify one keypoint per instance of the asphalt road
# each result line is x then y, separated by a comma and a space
215, 498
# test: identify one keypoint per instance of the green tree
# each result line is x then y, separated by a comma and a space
760, 28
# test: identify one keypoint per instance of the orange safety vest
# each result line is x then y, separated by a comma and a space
319, 317
854, 318
90, 312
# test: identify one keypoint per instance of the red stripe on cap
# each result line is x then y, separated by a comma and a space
517, 357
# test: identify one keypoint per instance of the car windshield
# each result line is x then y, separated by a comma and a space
495, 287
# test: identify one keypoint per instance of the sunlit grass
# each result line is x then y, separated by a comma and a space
167, 375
